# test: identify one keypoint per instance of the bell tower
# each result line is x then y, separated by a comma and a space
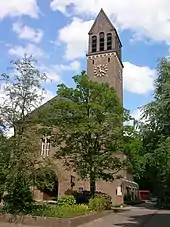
104, 60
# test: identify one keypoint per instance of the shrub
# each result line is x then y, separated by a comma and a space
83, 198
99, 204
66, 200
19, 198
69, 211
64, 211
40, 210
106, 196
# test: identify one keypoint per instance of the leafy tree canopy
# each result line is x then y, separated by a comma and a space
89, 121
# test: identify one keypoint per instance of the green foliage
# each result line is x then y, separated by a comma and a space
83, 197
20, 166
4, 162
107, 197
65, 211
156, 132
66, 200
89, 119
99, 204
19, 197
133, 149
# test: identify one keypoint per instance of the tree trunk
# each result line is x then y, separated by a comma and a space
92, 183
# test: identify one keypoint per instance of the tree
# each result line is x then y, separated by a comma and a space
156, 130
4, 157
89, 121
133, 149
24, 92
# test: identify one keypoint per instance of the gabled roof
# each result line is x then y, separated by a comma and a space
102, 13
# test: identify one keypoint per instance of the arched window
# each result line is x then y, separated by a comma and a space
109, 41
101, 35
94, 43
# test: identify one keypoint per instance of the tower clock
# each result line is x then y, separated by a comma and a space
104, 62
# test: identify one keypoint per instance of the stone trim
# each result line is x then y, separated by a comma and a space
57, 222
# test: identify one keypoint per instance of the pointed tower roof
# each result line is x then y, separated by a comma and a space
101, 14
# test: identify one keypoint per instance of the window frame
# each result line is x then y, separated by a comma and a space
45, 146
101, 41
109, 41
94, 44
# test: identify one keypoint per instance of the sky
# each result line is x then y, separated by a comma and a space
55, 32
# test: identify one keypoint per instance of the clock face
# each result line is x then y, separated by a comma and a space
100, 70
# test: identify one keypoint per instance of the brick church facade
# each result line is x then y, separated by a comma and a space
104, 64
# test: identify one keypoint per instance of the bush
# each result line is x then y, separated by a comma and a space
99, 204
66, 200
106, 196
65, 211
40, 210
69, 211
82, 198
19, 198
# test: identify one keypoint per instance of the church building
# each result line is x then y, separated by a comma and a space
104, 64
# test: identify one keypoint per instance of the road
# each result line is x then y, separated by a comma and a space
142, 216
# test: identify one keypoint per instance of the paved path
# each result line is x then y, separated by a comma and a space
145, 216
141, 216
161, 219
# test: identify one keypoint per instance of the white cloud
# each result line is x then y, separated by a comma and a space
136, 114
25, 32
75, 36
2, 95
29, 49
72, 66
138, 79
51, 73
18, 8
54, 72
47, 95
149, 19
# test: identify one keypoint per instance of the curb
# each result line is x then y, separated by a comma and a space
49, 222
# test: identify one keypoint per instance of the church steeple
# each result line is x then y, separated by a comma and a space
103, 36
104, 60
101, 17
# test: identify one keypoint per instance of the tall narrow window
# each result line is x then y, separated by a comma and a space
45, 146
101, 35
109, 41
94, 43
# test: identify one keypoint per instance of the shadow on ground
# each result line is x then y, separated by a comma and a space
148, 220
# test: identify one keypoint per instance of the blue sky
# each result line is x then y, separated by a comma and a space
55, 32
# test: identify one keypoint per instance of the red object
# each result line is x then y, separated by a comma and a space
144, 194
46, 196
